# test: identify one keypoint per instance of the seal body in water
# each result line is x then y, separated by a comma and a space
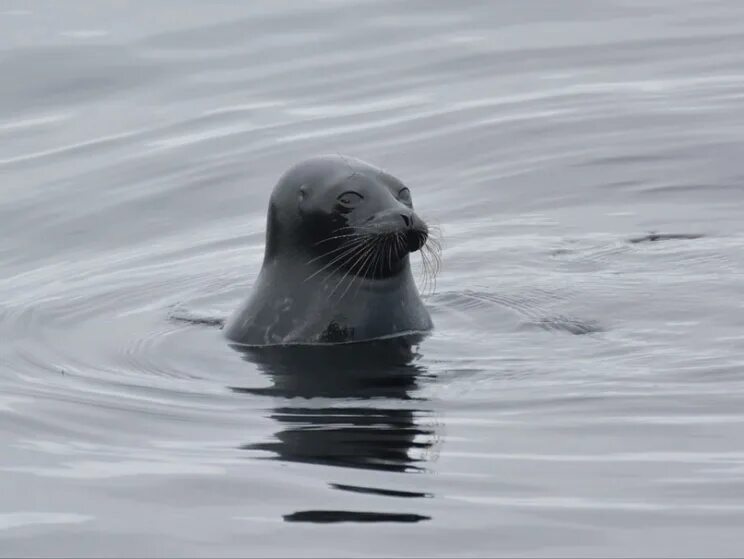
336, 264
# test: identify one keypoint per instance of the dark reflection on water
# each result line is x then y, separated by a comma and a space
351, 437
382, 492
329, 516
368, 419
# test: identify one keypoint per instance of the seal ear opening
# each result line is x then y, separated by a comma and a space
302, 199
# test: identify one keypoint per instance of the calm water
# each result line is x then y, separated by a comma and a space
583, 391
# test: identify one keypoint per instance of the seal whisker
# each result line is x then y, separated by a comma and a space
424, 274
349, 252
398, 243
357, 252
358, 231
370, 266
423, 278
358, 276
327, 239
435, 251
431, 274
364, 252
380, 261
346, 245
431, 260
385, 249
435, 260
375, 264
395, 254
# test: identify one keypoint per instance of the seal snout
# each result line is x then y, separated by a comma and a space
416, 231
403, 224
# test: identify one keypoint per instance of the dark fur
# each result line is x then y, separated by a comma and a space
336, 266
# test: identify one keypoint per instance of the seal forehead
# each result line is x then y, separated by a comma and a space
324, 172
317, 171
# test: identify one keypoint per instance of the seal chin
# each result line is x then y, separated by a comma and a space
415, 239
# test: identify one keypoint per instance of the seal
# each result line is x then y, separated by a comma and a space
336, 264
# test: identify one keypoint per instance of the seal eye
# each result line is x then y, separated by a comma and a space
405, 196
350, 199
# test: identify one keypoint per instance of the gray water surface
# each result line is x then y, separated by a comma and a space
583, 391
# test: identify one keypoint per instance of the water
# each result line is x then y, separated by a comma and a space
582, 392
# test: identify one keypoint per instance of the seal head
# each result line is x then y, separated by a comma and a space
336, 265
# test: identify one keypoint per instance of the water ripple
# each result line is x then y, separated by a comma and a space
582, 167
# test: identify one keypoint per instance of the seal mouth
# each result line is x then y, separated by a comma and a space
376, 247
389, 251
415, 240
370, 252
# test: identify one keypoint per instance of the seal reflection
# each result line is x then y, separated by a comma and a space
374, 423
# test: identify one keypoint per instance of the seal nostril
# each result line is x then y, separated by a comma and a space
406, 220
